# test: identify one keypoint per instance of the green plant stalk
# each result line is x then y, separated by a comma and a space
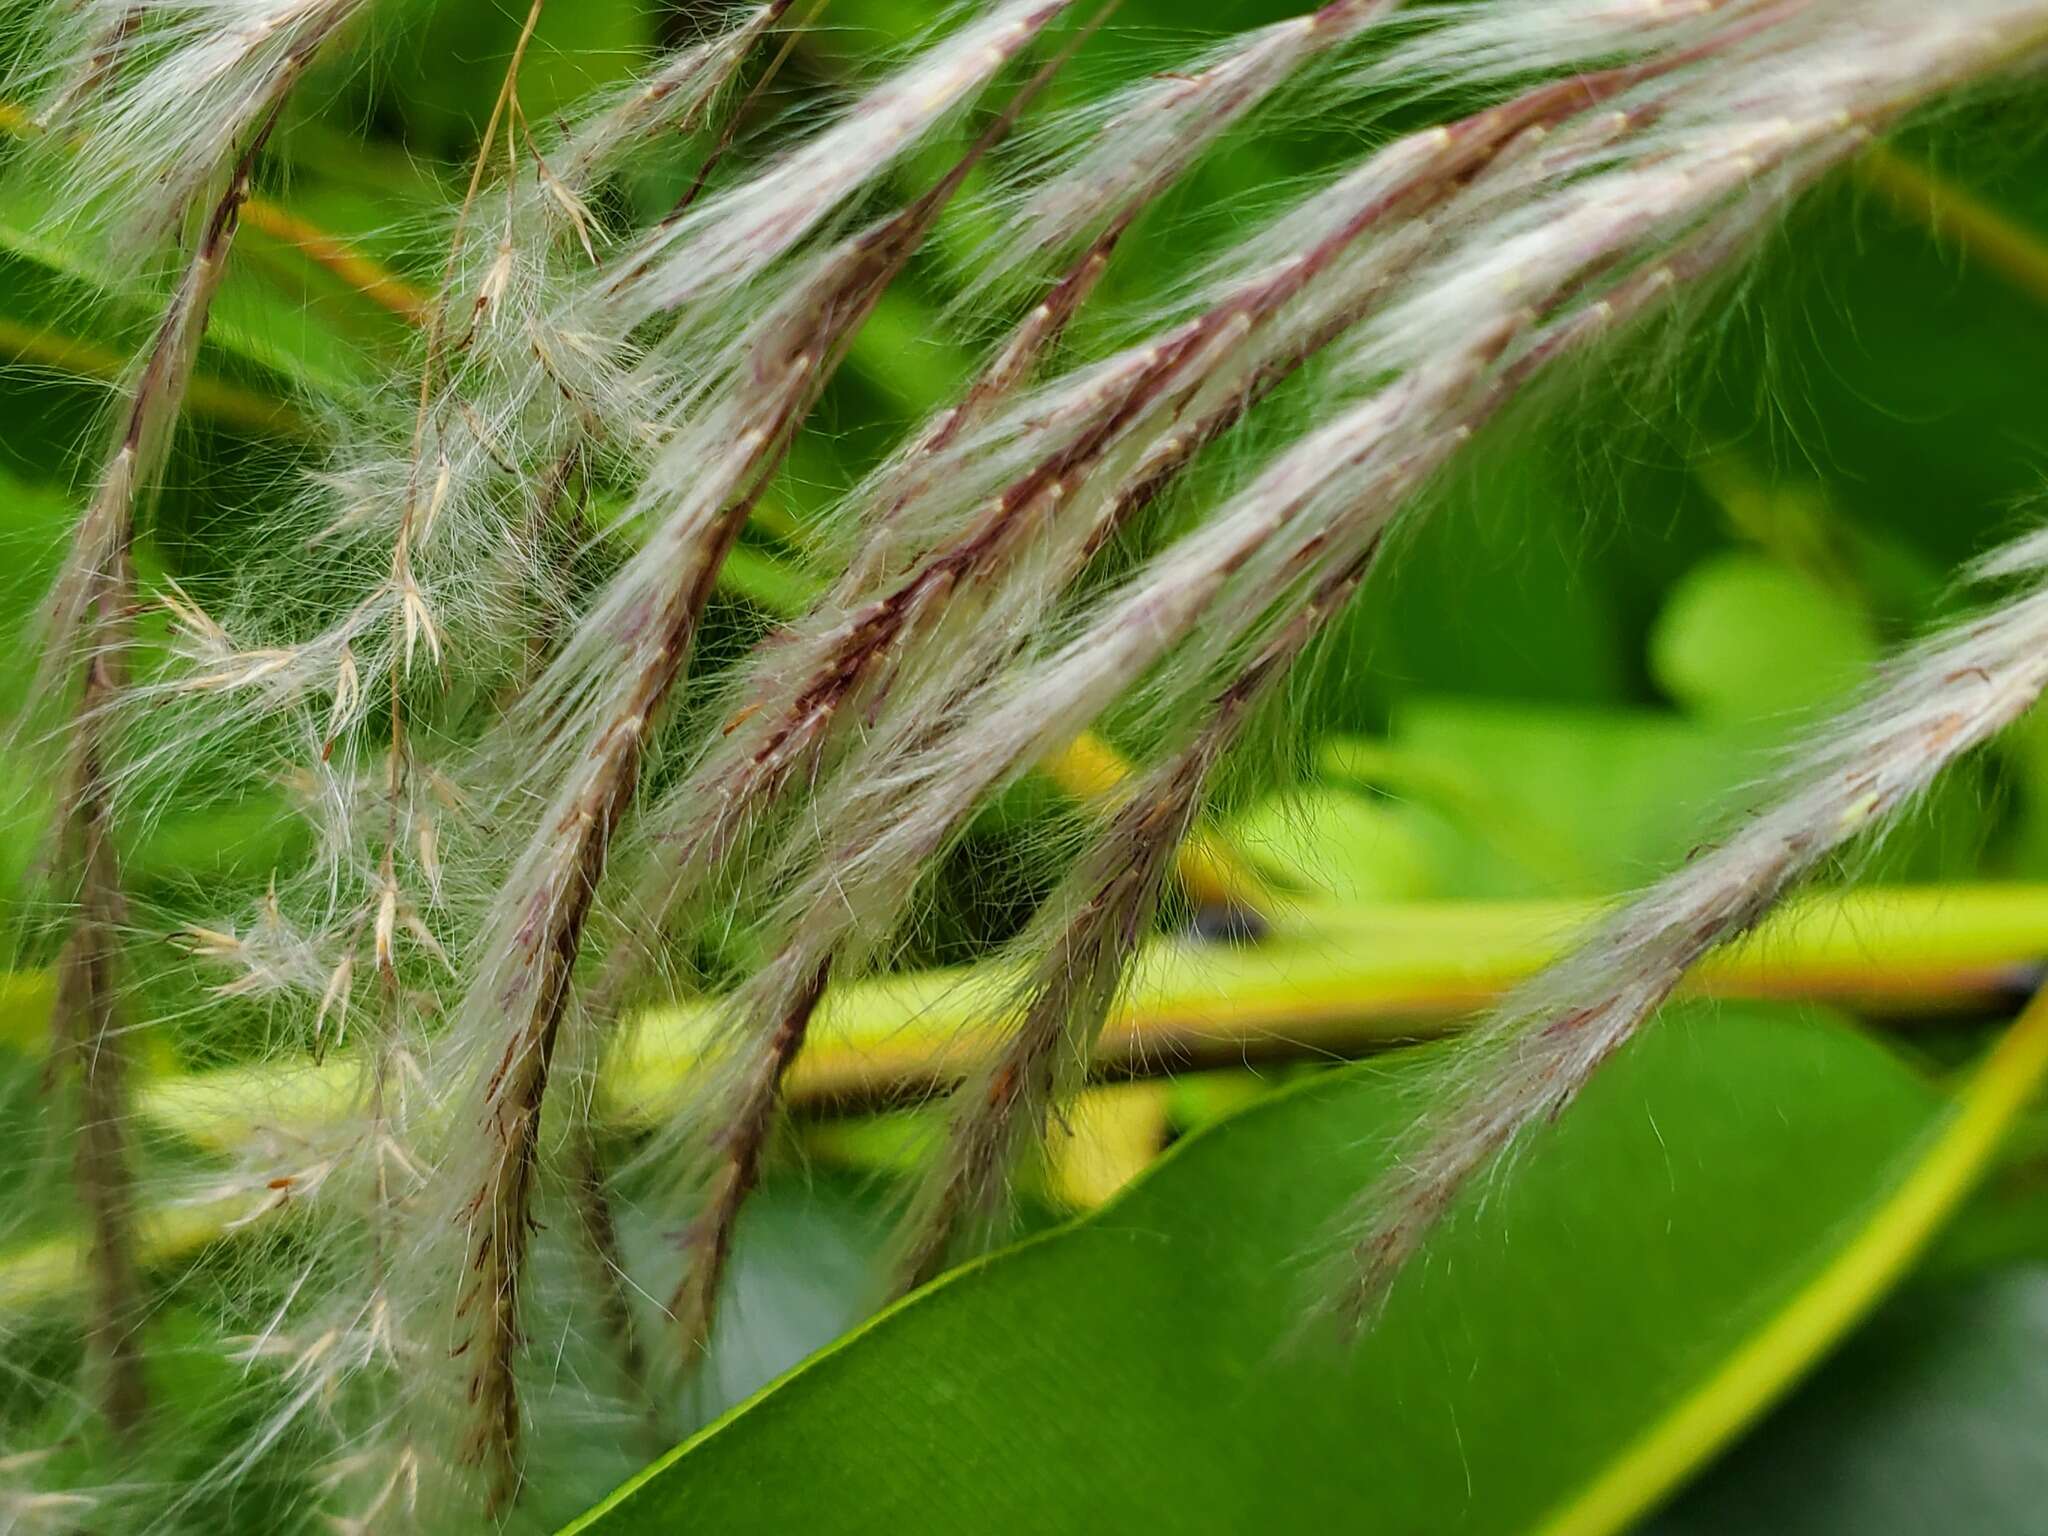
1331, 981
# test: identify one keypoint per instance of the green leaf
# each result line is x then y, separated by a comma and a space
250, 322
809, 1265
1930, 1419
1641, 1288
1495, 593
775, 586
1340, 845
1547, 799
1744, 637
449, 58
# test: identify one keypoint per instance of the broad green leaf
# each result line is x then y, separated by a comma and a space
1639, 1287
1930, 1419
1514, 800
810, 1265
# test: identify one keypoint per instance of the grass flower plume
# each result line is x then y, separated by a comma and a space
538, 772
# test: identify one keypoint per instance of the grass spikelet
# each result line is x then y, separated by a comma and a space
1538, 286
88, 635
709, 250
748, 767
1124, 152
529, 952
1083, 454
1102, 910
1071, 460
1856, 776
142, 101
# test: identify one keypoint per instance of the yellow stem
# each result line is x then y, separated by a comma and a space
1107, 1137
1331, 981
364, 274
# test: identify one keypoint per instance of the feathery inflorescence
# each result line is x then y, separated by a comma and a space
1604, 219
650, 616
144, 101
469, 650
1529, 1060
135, 59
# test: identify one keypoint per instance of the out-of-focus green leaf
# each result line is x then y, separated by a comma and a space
207, 1413
242, 842
1343, 845
773, 584
25, 999
1647, 1287
810, 1264
1548, 799
251, 321
1514, 800
1744, 637
1503, 591
449, 59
